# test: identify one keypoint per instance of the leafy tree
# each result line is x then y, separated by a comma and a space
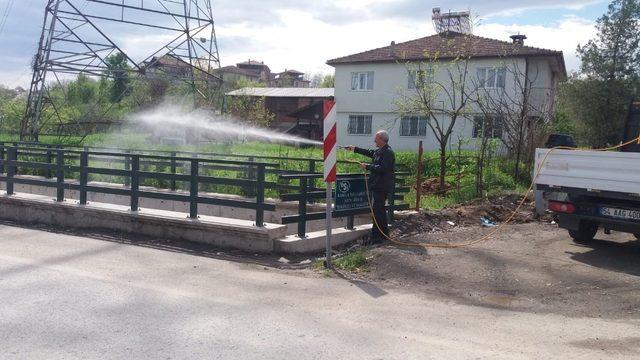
597, 100
596, 107
614, 53
251, 109
82, 91
118, 70
328, 81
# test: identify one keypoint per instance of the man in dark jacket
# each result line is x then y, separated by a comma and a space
381, 180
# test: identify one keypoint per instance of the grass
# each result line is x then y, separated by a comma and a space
352, 261
498, 177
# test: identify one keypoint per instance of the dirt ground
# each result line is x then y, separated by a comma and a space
531, 265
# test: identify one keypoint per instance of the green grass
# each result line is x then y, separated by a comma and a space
498, 176
352, 261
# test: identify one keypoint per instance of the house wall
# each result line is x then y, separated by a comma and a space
391, 89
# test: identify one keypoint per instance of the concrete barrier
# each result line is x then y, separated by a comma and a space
275, 217
169, 225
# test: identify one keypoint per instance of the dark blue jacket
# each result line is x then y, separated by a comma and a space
382, 168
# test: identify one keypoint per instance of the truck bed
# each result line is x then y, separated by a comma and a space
610, 171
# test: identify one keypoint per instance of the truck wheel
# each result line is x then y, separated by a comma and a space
585, 233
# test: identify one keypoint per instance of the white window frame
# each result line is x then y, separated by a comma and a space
492, 77
367, 124
362, 80
421, 122
426, 76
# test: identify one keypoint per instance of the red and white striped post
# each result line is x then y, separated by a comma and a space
330, 158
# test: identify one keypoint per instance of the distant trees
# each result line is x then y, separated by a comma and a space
328, 81
597, 99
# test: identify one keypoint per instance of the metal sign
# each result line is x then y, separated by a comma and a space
330, 149
330, 139
351, 194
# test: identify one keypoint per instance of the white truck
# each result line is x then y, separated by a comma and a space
587, 190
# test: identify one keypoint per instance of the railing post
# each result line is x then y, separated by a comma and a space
391, 202
127, 166
60, 176
2, 168
11, 169
134, 181
49, 159
193, 189
15, 158
312, 182
302, 208
251, 174
260, 195
84, 176
350, 221
174, 167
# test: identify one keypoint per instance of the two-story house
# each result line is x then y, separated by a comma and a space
369, 86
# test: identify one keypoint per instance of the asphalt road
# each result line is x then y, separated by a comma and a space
66, 297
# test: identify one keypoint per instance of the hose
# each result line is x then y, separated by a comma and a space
497, 228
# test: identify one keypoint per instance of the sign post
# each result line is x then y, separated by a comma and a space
330, 157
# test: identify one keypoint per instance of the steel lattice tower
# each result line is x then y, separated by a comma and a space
78, 37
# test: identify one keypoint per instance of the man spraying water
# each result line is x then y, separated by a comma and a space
381, 181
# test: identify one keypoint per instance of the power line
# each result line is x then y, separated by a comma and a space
5, 15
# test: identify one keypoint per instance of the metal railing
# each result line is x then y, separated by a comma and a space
56, 166
307, 193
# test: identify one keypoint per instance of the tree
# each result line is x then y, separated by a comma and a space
328, 81
316, 80
444, 92
519, 111
614, 53
597, 99
118, 70
597, 108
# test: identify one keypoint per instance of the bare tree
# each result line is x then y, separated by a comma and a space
444, 91
517, 112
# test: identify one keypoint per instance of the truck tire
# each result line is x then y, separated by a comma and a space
585, 233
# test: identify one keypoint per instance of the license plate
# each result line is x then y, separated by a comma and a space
620, 213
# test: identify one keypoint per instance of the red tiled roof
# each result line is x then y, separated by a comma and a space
446, 46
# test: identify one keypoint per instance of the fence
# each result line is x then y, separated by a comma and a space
307, 193
60, 164
72, 169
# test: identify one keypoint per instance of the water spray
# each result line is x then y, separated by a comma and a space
170, 119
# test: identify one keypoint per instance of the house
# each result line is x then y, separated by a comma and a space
258, 72
290, 78
251, 70
370, 85
297, 110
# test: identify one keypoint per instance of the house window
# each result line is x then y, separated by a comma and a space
359, 125
362, 81
413, 126
490, 126
491, 78
418, 78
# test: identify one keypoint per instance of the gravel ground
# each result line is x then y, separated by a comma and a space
532, 267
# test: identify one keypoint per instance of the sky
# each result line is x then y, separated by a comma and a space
303, 35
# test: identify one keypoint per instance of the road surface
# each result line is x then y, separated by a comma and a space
66, 297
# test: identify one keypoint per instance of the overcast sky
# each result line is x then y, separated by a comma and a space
303, 35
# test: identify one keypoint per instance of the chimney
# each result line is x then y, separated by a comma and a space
392, 49
518, 39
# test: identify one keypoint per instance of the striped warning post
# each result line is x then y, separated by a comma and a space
330, 137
